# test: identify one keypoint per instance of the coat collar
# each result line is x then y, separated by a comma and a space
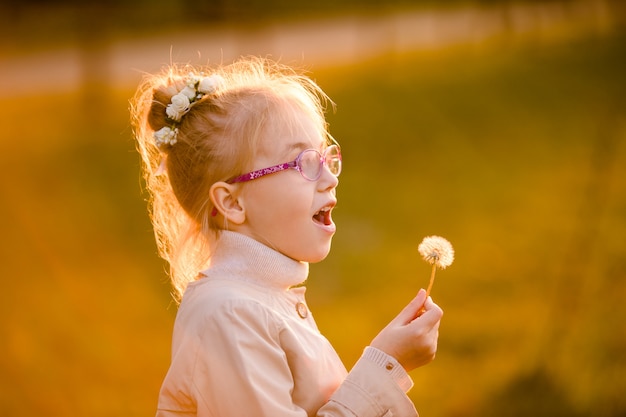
240, 257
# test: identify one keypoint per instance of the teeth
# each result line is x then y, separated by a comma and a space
322, 215
322, 211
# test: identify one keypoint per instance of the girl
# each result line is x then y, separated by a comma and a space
242, 175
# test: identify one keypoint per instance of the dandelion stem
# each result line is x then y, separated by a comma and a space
430, 287
432, 279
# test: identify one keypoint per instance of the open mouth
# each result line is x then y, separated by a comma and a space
323, 217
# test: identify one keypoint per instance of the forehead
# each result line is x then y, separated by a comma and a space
294, 127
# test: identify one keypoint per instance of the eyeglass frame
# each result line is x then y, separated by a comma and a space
295, 164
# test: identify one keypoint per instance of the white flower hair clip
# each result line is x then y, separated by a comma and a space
438, 252
165, 136
197, 86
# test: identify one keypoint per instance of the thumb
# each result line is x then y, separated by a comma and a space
412, 310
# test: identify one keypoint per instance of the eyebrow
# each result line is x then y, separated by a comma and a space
298, 146
301, 146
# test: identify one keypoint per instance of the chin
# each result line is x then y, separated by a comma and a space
316, 259
318, 256
309, 250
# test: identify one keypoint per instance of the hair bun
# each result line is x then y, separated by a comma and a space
178, 105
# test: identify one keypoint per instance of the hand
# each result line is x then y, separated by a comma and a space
411, 337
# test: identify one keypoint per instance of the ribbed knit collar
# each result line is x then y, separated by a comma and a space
240, 257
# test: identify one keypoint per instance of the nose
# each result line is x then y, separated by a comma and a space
327, 180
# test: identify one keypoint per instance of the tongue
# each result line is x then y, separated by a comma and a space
322, 217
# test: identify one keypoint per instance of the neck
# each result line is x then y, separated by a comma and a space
238, 256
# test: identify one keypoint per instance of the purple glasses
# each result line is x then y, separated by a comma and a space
309, 163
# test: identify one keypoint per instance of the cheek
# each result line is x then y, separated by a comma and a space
280, 201
293, 205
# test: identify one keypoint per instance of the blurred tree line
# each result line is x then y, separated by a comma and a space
54, 20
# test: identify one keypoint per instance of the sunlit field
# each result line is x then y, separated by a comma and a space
515, 152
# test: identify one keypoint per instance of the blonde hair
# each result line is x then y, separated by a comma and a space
217, 139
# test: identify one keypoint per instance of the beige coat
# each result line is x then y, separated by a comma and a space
246, 345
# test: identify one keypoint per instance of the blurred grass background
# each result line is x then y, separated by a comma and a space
513, 148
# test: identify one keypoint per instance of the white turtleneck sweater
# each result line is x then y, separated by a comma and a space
246, 345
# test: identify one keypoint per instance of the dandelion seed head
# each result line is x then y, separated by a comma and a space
436, 251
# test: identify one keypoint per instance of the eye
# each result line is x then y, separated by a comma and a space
333, 159
310, 162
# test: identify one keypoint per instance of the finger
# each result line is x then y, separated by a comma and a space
412, 310
432, 313
429, 305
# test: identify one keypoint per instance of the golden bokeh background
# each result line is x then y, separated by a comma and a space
499, 125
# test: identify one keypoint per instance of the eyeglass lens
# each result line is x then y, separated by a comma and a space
311, 162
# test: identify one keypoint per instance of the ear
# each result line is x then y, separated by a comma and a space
224, 198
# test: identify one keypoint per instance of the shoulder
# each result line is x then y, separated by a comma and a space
222, 303
209, 294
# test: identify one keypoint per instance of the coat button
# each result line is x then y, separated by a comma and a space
389, 366
302, 310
